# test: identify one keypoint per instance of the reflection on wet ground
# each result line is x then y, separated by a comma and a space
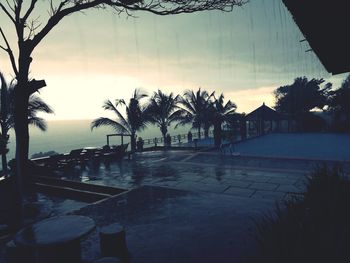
53, 205
190, 206
187, 206
200, 171
168, 225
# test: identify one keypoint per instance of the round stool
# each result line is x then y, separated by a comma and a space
108, 260
16, 254
112, 241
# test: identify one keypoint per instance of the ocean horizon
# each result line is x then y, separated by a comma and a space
62, 136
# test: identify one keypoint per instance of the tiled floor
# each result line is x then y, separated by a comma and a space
212, 172
168, 225
200, 174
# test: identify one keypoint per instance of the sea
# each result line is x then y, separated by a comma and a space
62, 136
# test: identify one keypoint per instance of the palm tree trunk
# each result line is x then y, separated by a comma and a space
217, 133
164, 138
133, 142
4, 130
4, 148
199, 131
206, 132
164, 131
4, 163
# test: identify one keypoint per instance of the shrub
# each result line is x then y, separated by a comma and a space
313, 228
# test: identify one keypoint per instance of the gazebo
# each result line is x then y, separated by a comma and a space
265, 120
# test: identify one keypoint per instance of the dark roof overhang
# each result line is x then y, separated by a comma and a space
325, 25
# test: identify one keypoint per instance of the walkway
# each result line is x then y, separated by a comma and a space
243, 177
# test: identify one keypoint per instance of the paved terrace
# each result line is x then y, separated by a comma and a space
237, 176
193, 206
185, 206
210, 172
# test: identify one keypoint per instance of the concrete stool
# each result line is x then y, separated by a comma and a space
4, 230
112, 241
69, 251
16, 254
108, 260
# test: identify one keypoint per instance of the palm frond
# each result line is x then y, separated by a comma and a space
108, 105
38, 122
138, 94
36, 104
109, 123
187, 105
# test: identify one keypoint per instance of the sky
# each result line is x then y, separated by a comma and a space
97, 55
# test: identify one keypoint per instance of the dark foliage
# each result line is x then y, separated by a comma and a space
313, 228
301, 96
297, 99
339, 105
311, 122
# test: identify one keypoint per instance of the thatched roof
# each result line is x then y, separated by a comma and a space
264, 113
325, 25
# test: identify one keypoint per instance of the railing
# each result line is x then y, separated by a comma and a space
175, 139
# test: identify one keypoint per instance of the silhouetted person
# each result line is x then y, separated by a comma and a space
189, 136
168, 140
232, 147
139, 144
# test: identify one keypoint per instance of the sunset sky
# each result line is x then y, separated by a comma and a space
97, 55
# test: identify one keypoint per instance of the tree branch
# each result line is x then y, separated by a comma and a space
61, 13
29, 11
9, 51
159, 7
35, 85
173, 7
18, 9
7, 13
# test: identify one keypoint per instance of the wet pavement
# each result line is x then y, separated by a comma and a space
168, 225
188, 206
209, 172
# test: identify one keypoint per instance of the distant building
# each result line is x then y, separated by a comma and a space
265, 120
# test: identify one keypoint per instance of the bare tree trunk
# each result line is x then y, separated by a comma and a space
22, 134
199, 131
21, 98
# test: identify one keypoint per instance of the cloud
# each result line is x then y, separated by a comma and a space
250, 99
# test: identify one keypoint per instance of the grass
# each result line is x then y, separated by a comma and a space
312, 228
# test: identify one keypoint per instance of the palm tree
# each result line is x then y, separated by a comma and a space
163, 111
135, 120
222, 113
339, 106
299, 98
208, 116
4, 122
36, 105
193, 108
